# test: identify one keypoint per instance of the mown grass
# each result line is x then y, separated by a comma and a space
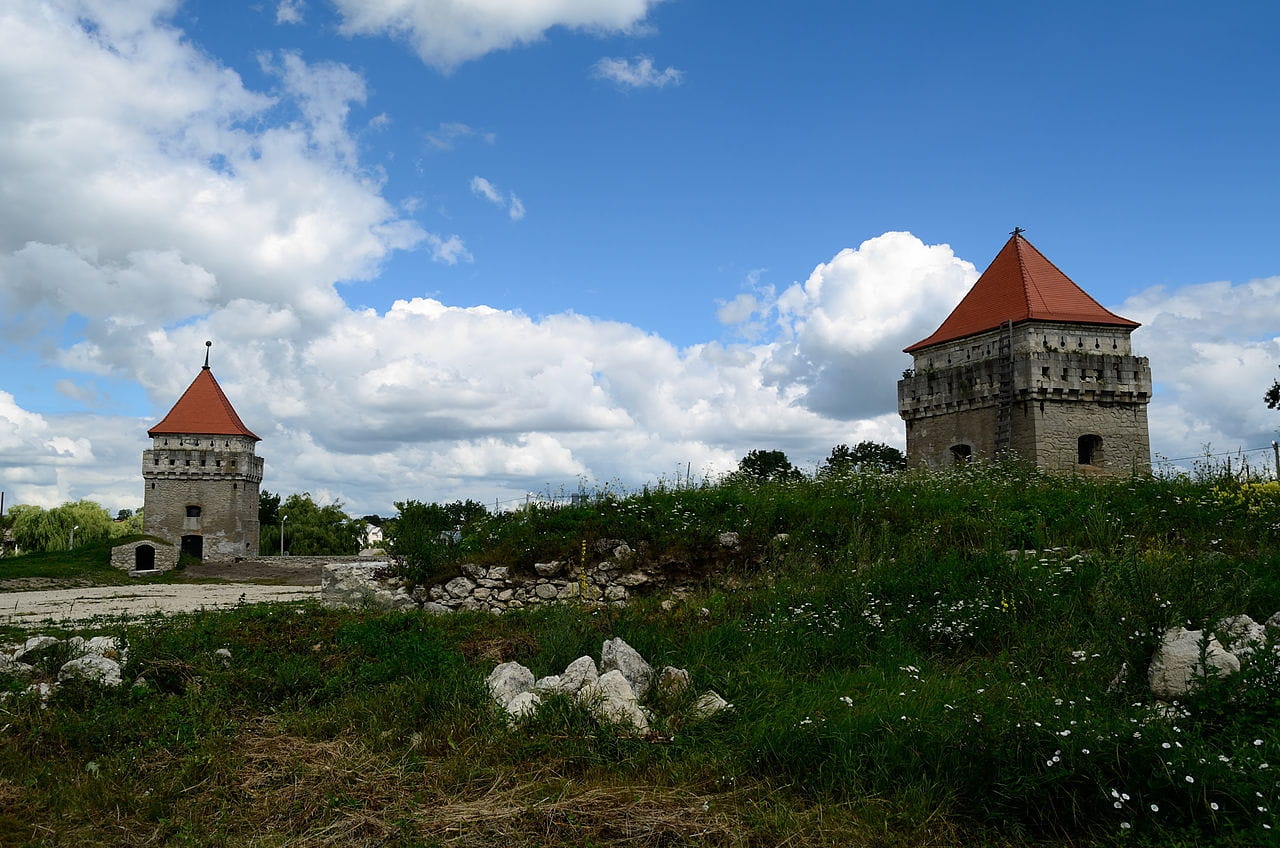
898, 678
87, 564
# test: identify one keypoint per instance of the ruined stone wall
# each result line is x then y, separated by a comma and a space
218, 474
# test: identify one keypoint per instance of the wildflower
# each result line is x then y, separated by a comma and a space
1213, 805
1155, 808
1125, 825
1189, 779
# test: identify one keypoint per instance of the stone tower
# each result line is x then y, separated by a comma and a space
201, 476
1028, 365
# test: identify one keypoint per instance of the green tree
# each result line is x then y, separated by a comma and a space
763, 465
864, 456
419, 537
73, 524
1272, 397
268, 509
311, 529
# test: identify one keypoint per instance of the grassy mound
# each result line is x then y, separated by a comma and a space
898, 678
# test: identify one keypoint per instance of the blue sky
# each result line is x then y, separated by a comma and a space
625, 236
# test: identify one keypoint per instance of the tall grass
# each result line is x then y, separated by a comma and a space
947, 659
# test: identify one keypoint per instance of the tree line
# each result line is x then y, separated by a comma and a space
419, 533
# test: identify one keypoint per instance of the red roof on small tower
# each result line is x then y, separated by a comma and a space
203, 409
1020, 285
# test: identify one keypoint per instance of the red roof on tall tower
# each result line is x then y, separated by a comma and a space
1020, 285
203, 409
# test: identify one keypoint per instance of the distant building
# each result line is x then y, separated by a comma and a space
202, 475
1028, 365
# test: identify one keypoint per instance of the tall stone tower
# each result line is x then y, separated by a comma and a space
201, 476
1028, 365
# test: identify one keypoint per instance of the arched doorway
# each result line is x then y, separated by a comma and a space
144, 558
193, 546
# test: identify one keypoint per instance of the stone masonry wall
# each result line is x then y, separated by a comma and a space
221, 475
498, 588
1068, 381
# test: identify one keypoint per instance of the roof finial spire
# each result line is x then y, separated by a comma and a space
1017, 231
207, 345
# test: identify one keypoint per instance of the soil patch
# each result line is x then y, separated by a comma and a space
281, 572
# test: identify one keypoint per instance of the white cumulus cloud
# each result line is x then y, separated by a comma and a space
638, 72
446, 33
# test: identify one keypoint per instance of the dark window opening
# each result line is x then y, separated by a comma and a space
1044, 371
193, 512
1089, 450
961, 453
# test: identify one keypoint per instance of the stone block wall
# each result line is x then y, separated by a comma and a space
497, 588
125, 557
1066, 382
218, 474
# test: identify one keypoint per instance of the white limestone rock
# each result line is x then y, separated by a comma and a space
729, 540
92, 668
356, 585
459, 587
673, 681
508, 680
548, 569
710, 703
1274, 621
107, 646
611, 698
1241, 635
616, 654
522, 706
432, 608
580, 673
550, 683
1176, 666
33, 646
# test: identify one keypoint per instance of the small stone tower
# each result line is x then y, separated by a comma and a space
201, 476
1028, 365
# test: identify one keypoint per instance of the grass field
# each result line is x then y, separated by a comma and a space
898, 678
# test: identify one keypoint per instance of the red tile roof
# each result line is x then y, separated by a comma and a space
1020, 285
203, 409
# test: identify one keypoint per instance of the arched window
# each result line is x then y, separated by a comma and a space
961, 453
1089, 449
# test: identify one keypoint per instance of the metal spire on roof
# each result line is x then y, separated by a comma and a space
1017, 231
207, 345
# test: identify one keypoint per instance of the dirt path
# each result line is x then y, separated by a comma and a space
29, 609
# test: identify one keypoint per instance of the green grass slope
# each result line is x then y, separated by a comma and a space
898, 678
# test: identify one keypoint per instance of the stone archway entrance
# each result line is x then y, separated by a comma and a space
144, 558
193, 546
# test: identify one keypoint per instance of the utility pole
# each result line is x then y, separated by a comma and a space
72, 542
1275, 447
283, 518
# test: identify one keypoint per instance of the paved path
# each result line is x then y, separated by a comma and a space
72, 605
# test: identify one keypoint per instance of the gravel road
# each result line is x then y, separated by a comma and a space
73, 605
